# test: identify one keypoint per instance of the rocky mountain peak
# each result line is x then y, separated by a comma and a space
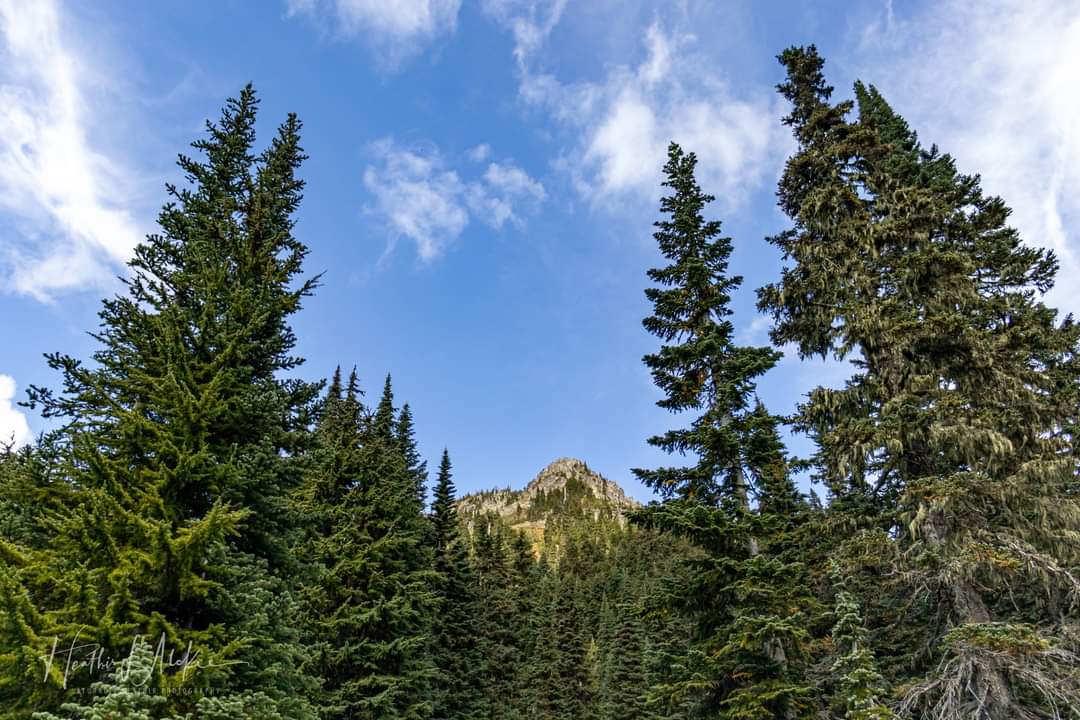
566, 494
570, 474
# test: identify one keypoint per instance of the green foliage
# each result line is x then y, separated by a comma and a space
199, 499
951, 436
456, 649
705, 371
162, 512
747, 605
132, 692
367, 613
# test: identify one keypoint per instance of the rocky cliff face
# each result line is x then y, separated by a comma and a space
566, 496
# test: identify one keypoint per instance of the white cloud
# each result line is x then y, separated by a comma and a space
67, 226
13, 425
994, 83
480, 153
531, 21
397, 28
621, 124
419, 198
511, 181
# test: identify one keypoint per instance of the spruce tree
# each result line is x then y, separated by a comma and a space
952, 433
182, 439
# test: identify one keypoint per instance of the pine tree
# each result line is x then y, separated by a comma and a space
181, 439
952, 432
746, 604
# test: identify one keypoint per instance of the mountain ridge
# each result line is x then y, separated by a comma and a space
564, 497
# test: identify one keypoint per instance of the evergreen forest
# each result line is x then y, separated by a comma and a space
208, 534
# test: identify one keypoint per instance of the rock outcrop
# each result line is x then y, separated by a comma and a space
566, 496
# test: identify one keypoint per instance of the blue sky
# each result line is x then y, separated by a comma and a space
483, 176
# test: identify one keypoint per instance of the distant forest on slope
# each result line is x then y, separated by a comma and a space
206, 535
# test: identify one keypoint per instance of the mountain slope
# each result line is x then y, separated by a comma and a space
565, 499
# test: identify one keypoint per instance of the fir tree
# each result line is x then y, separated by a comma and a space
369, 613
416, 466
181, 439
860, 687
625, 683
458, 684
132, 691
746, 604
496, 620
952, 432
705, 370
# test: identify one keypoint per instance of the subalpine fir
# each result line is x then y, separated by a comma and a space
167, 515
747, 603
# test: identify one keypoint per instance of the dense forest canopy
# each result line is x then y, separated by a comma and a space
206, 535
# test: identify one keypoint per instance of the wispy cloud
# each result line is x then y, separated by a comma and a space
13, 425
619, 125
396, 30
66, 224
994, 83
417, 197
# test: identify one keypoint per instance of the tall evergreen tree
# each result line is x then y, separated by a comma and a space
182, 440
495, 616
953, 430
625, 685
702, 369
746, 604
414, 464
458, 683
559, 687
368, 614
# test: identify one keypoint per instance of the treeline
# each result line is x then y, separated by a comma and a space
205, 535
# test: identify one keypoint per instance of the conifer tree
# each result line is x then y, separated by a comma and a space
495, 618
369, 613
952, 433
458, 683
746, 605
525, 582
626, 683
132, 691
558, 678
703, 370
416, 466
181, 439
860, 687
